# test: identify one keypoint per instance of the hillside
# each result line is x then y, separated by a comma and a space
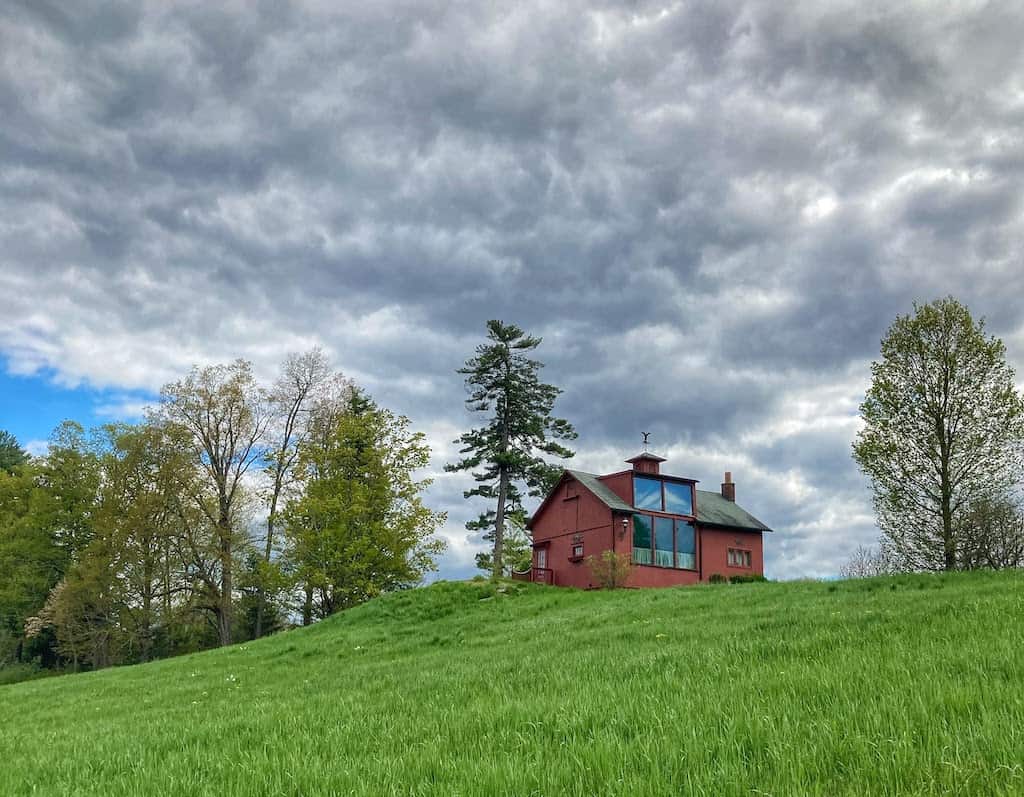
905, 685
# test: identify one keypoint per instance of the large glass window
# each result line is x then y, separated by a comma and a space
686, 546
647, 493
678, 498
642, 539
671, 497
664, 542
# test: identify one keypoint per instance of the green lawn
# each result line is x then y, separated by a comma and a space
909, 685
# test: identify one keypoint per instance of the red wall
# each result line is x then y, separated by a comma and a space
578, 514
716, 544
621, 484
563, 519
646, 576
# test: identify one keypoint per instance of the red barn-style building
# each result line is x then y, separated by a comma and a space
674, 533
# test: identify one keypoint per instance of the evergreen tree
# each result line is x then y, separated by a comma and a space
507, 450
943, 426
12, 455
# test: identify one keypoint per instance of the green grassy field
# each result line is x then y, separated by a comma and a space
909, 685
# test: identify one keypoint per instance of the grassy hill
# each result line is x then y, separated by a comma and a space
909, 685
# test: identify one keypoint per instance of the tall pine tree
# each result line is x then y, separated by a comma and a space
507, 450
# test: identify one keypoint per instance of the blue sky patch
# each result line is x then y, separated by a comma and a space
32, 406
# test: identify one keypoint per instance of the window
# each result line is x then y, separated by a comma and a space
674, 498
577, 551
678, 498
663, 527
664, 542
642, 539
686, 546
738, 558
646, 493
542, 558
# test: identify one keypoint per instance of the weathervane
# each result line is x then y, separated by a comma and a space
646, 435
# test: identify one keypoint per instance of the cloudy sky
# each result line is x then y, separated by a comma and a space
711, 212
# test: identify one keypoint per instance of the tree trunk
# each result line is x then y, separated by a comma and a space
260, 593
146, 635
307, 606
499, 523
224, 611
948, 541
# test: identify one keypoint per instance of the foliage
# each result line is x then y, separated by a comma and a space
610, 570
135, 542
221, 411
506, 452
717, 578
305, 388
47, 518
748, 578
847, 688
12, 455
360, 527
517, 545
943, 426
994, 534
867, 563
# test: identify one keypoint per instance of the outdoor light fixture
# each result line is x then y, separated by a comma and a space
625, 528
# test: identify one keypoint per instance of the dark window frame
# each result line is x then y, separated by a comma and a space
662, 482
677, 521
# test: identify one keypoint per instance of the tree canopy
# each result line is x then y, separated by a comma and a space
360, 526
12, 455
136, 541
507, 450
943, 426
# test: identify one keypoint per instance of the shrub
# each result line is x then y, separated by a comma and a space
717, 578
751, 578
610, 570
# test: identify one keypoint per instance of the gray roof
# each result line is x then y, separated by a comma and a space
600, 489
712, 509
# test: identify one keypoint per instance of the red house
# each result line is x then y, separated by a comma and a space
674, 533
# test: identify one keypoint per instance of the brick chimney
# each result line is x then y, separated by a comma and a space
728, 488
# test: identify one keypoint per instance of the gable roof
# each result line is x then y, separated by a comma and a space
600, 489
712, 509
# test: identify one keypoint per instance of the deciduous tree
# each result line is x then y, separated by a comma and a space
360, 527
994, 534
867, 562
943, 426
305, 383
47, 519
223, 412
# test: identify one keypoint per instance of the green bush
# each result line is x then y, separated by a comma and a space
717, 578
611, 570
752, 578
14, 673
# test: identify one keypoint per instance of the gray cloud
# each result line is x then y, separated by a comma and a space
711, 211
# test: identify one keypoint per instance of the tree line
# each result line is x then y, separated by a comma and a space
235, 509
942, 444
232, 510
